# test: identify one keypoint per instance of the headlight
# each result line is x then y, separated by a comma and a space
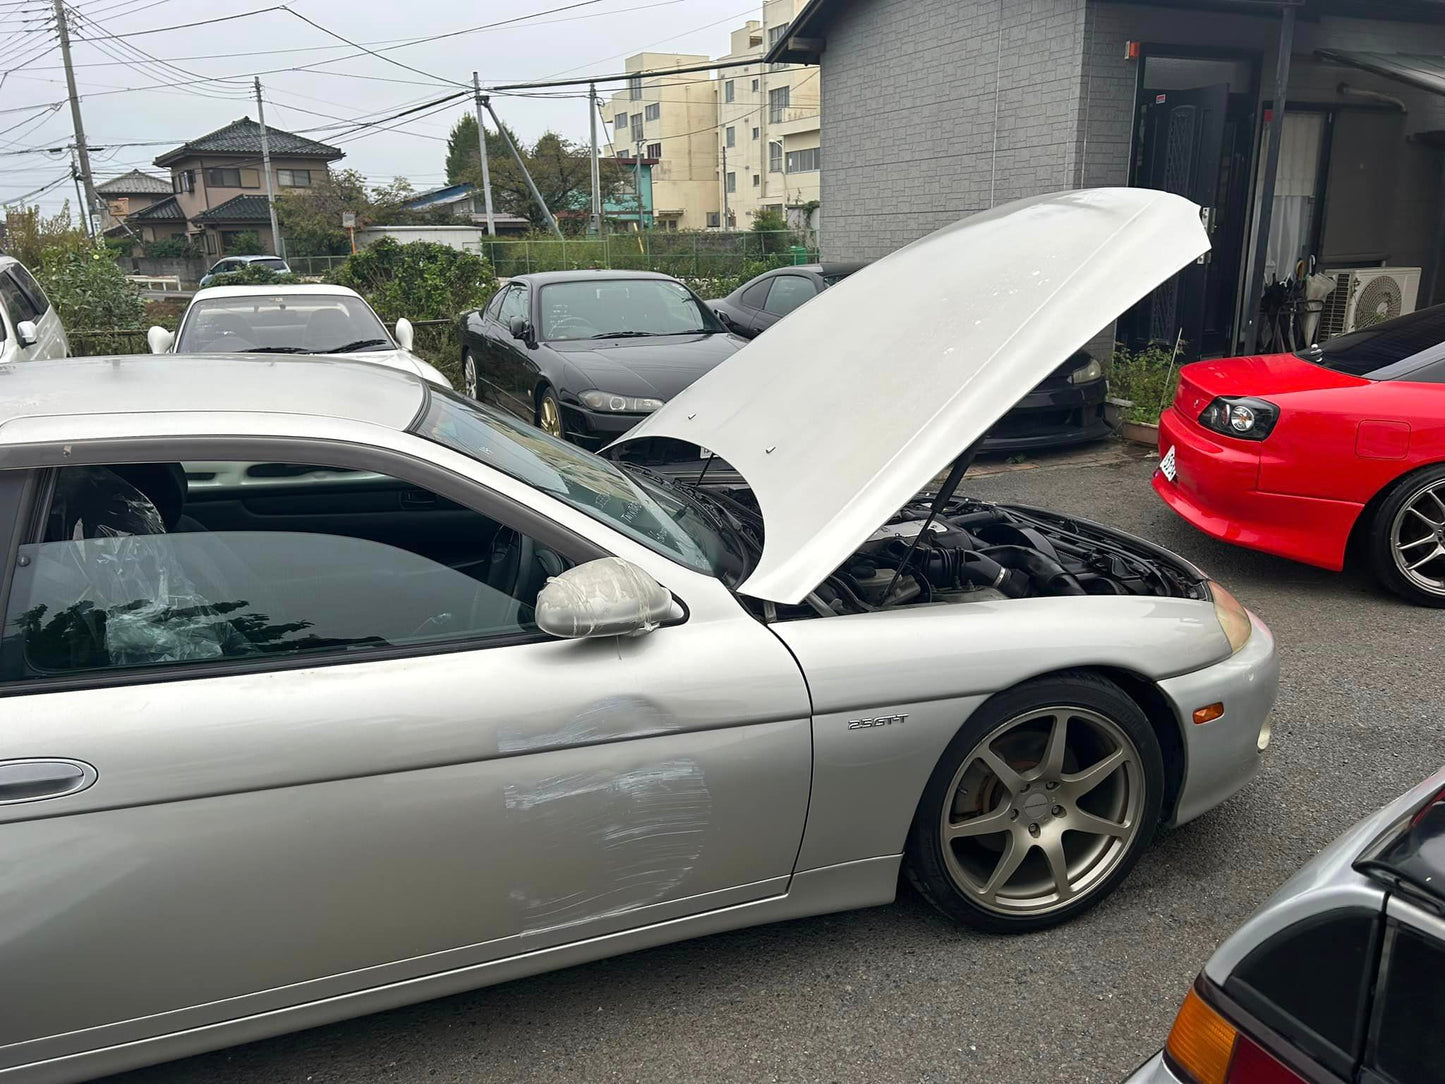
1233, 618
1240, 416
618, 404
1086, 374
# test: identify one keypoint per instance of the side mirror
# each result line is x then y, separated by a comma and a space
160, 340
606, 597
405, 334
27, 333
517, 325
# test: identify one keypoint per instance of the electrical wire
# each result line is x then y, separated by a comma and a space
200, 22
38, 191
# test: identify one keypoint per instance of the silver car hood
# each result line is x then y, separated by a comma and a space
844, 410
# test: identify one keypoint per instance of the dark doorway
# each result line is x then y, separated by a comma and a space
1193, 138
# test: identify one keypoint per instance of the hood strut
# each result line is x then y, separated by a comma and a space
940, 499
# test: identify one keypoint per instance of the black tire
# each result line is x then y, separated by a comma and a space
1392, 524
545, 402
1008, 714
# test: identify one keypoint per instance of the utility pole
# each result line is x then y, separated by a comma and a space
531, 185
592, 107
79, 199
91, 200
278, 246
725, 186
482, 147
637, 183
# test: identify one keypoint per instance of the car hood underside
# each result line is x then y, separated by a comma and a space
852, 404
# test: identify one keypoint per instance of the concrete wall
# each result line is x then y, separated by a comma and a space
937, 109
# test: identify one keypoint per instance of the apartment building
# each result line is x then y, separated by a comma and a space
670, 121
768, 126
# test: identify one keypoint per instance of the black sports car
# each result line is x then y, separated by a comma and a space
1066, 408
586, 355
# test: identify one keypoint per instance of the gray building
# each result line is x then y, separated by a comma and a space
935, 109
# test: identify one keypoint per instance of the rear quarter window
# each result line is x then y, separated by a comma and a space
1408, 1044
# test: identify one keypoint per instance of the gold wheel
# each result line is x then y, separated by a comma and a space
549, 419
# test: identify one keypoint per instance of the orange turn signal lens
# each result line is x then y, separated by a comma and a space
1208, 713
1201, 1042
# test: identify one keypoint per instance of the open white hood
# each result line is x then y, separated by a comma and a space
844, 410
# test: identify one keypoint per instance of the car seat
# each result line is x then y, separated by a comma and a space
327, 329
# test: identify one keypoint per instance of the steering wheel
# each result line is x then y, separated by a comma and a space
561, 323
513, 562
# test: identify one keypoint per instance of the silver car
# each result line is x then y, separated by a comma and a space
30, 328
1339, 977
445, 701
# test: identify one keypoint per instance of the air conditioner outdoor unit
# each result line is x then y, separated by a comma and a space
1367, 295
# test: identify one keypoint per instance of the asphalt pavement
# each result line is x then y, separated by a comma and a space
899, 994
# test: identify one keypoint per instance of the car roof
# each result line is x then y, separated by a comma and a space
250, 259
270, 291
544, 278
210, 383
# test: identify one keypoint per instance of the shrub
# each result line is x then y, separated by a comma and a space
88, 288
177, 247
244, 243
253, 275
28, 234
421, 280
1146, 377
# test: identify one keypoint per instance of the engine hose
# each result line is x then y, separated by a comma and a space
985, 571
1051, 574
971, 519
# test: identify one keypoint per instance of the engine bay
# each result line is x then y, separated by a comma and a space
972, 551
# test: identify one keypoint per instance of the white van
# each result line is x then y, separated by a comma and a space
30, 328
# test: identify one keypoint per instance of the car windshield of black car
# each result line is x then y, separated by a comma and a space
610, 308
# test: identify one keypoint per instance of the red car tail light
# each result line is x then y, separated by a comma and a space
1240, 416
1205, 1048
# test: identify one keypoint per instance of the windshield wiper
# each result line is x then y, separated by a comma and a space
721, 518
625, 335
276, 350
357, 345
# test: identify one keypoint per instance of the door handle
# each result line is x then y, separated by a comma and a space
40, 778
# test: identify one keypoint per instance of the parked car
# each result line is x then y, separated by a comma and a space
585, 355
227, 264
30, 328
1340, 977
1066, 408
485, 704
1300, 454
307, 319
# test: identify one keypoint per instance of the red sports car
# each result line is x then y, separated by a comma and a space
1296, 454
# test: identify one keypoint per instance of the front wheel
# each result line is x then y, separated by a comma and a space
1039, 807
549, 414
1407, 538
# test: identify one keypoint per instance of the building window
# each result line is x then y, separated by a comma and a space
755, 133
808, 161
775, 157
755, 86
654, 150
778, 101
637, 127
634, 87
620, 121
732, 182
732, 137
714, 220
776, 32
293, 178
184, 181
233, 178
757, 180
653, 111
728, 91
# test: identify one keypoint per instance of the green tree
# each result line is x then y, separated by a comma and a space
310, 218
245, 243
561, 170
772, 231
87, 287
28, 233
421, 281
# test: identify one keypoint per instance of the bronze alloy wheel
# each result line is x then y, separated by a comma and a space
549, 417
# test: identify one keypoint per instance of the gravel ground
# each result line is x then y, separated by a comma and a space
897, 993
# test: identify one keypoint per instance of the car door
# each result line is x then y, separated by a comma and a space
477, 329
390, 774
785, 293
514, 366
51, 341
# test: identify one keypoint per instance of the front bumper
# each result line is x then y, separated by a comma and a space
1216, 488
1052, 417
595, 429
1223, 755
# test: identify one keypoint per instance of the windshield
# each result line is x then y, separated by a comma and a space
661, 517
282, 324
1367, 351
617, 308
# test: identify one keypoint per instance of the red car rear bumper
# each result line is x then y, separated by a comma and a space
1215, 488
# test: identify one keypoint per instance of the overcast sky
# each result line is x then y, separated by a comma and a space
590, 38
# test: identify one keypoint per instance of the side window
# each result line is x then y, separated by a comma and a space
16, 303
514, 304
1311, 982
31, 288
494, 306
788, 292
137, 569
1408, 1044
754, 296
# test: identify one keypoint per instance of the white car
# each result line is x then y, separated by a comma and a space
30, 328
229, 264
308, 319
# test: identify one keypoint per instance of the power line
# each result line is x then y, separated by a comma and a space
370, 52
712, 65
199, 22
